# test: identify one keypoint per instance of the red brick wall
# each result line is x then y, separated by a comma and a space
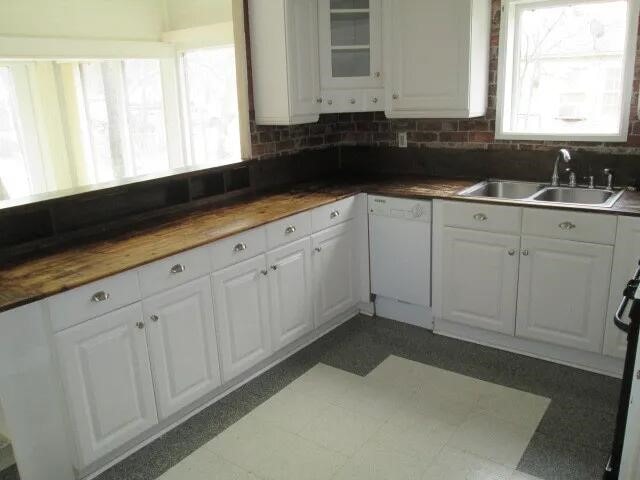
474, 134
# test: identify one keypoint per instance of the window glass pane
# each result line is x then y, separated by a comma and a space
349, 4
349, 29
124, 109
145, 114
212, 105
14, 177
568, 68
350, 63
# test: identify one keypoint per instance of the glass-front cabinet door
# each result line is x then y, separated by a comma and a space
350, 44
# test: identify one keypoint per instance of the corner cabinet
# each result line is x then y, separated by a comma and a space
436, 57
284, 61
350, 34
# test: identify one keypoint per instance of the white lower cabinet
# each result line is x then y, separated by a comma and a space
241, 309
290, 292
107, 381
333, 271
625, 264
182, 345
563, 291
480, 278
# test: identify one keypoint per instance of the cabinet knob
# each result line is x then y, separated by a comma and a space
374, 100
100, 297
330, 102
334, 214
154, 318
289, 230
240, 247
480, 217
395, 96
140, 325
512, 252
567, 226
319, 100
264, 272
352, 101
179, 268
274, 267
317, 249
377, 74
525, 253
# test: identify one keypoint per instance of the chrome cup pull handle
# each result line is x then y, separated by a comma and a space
567, 226
480, 217
290, 229
179, 268
240, 247
334, 214
100, 297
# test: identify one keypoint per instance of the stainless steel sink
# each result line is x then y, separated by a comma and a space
535, 193
578, 196
502, 189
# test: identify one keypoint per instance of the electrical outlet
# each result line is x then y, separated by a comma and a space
402, 139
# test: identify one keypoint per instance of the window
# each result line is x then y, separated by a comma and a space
211, 106
125, 124
566, 69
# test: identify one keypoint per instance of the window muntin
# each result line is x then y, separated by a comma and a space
563, 75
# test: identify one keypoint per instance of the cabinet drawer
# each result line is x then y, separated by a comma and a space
333, 214
288, 229
173, 271
240, 247
94, 299
578, 226
480, 216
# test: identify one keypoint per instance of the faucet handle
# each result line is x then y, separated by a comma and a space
591, 181
572, 177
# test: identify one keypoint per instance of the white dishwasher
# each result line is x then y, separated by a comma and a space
400, 257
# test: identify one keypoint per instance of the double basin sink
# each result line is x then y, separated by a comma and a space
543, 194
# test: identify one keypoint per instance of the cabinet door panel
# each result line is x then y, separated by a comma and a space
625, 263
480, 277
107, 379
333, 272
563, 291
302, 55
241, 312
426, 54
182, 343
290, 292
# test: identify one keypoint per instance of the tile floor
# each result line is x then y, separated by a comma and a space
338, 406
405, 420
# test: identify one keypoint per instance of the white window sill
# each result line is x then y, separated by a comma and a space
561, 137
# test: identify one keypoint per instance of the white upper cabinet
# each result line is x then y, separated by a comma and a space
107, 381
480, 279
350, 33
241, 309
563, 292
182, 345
290, 292
625, 263
284, 61
436, 57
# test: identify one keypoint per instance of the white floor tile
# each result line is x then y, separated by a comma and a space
341, 430
374, 400
296, 459
290, 410
324, 382
513, 405
375, 463
452, 464
206, 465
441, 406
522, 476
492, 438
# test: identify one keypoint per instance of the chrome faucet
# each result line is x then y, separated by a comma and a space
565, 156
608, 175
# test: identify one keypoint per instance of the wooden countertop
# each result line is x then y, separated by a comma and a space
48, 275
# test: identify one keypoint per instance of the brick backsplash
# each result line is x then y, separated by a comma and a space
374, 129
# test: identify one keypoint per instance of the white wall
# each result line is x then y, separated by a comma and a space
4, 431
97, 19
183, 14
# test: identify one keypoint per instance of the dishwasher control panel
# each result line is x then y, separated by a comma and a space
419, 210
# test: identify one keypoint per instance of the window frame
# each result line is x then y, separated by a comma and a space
507, 49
